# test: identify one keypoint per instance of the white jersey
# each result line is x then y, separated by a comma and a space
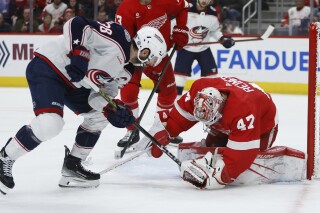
295, 16
56, 12
109, 46
202, 26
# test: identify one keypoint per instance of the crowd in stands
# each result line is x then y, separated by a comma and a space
50, 15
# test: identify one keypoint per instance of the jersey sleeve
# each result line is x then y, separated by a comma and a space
179, 9
124, 18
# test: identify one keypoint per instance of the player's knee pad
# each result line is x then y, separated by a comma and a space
46, 126
129, 95
94, 121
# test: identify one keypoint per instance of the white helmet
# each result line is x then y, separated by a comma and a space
152, 39
208, 104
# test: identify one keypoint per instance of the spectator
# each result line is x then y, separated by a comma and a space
102, 16
76, 7
38, 7
4, 26
68, 14
22, 24
111, 9
87, 8
4, 8
231, 28
56, 9
102, 5
16, 8
47, 26
297, 18
232, 9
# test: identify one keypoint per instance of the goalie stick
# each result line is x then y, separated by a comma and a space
265, 35
140, 128
148, 102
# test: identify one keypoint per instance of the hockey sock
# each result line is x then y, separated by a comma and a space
24, 142
85, 141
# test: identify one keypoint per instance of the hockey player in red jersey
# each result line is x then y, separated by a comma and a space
99, 51
134, 14
237, 115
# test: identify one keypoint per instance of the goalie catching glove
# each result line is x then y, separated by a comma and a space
159, 133
120, 117
79, 60
208, 172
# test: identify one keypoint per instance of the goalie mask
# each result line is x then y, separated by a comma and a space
208, 104
151, 38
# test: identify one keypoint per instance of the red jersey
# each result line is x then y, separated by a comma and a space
248, 113
133, 15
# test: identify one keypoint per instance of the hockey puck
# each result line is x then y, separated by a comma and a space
117, 154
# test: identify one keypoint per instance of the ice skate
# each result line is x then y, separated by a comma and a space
75, 175
6, 179
135, 138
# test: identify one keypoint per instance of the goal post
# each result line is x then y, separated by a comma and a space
313, 161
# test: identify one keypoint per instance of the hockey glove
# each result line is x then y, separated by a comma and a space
79, 60
121, 117
227, 41
159, 133
180, 36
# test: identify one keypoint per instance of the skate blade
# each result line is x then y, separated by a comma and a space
73, 182
4, 189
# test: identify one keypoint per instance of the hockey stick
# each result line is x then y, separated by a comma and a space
265, 35
140, 128
148, 102
120, 163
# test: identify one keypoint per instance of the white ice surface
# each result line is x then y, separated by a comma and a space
144, 185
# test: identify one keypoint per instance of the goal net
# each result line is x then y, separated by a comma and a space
313, 167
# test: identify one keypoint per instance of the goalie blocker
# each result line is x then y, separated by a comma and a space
276, 164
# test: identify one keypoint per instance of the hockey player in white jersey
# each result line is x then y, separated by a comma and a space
103, 52
204, 25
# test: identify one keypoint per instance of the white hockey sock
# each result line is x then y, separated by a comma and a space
80, 152
14, 149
